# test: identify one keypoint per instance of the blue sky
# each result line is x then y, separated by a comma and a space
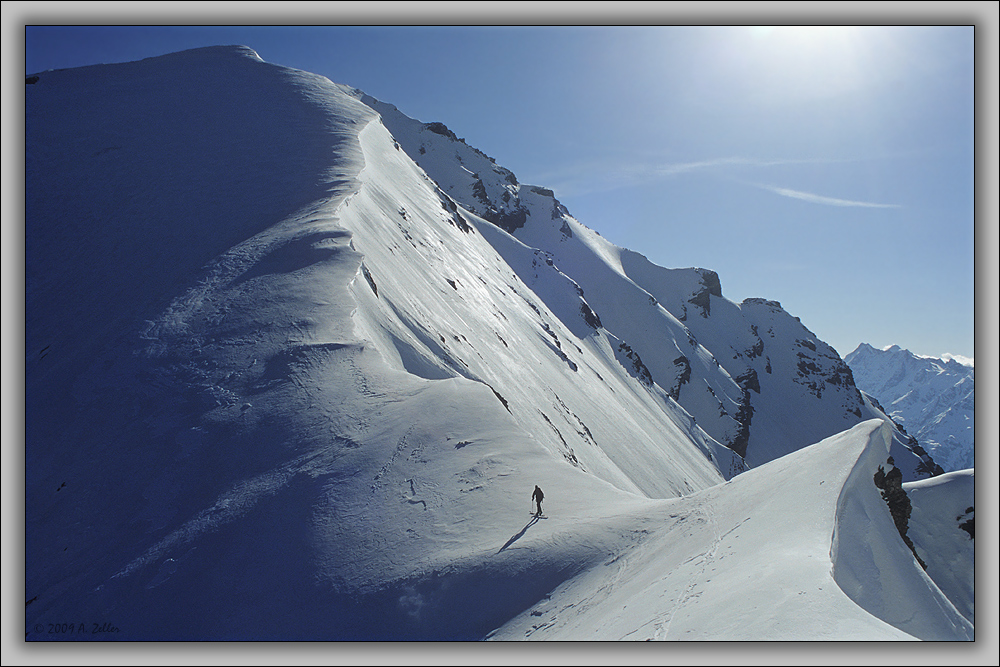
830, 169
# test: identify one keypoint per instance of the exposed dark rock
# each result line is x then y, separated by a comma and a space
758, 348
30, 79
507, 174
891, 486
710, 279
927, 464
638, 368
499, 397
509, 221
479, 192
774, 305
744, 415
455, 218
969, 525
442, 129
683, 377
749, 380
589, 316
710, 287
368, 277
703, 301
929, 467
841, 375
807, 367
545, 192
879, 406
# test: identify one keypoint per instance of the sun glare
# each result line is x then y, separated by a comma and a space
785, 63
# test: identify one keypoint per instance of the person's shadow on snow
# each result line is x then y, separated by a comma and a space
515, 538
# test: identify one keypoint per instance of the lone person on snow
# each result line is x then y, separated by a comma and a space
537, 496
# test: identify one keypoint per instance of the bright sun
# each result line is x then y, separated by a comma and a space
803, 61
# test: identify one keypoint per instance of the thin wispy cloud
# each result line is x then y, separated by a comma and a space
606, 175
685, 167
821, 199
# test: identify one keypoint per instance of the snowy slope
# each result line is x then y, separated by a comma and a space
751, 375
933, 399
942, 527
754, 560
279, 385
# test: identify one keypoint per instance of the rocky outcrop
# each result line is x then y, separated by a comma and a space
890, 484
710, 286
442, 129
683, 364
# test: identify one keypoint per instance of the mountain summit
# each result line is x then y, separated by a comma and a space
295, 363
933, 399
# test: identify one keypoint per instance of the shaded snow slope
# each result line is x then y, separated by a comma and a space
331, 395
279, 385
942, 528
934, 400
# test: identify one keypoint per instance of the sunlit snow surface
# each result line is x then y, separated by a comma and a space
798, 549
279, 386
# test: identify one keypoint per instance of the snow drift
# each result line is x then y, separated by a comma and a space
285, 382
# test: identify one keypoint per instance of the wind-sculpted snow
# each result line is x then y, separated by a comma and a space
282, 384
871, 564
761, 557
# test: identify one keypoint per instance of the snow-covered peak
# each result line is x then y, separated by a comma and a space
206, 54
959, 359
933, 399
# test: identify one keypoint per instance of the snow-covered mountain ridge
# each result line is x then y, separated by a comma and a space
750, 374
285, 382
933, 399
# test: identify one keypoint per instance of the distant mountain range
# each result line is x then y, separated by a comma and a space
933, 399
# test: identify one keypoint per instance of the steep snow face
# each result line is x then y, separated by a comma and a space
442, 302
465, 173
751, 375
933, 399
647, 338
864, 543
942, 528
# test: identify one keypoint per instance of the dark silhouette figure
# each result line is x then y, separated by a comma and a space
537, 496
